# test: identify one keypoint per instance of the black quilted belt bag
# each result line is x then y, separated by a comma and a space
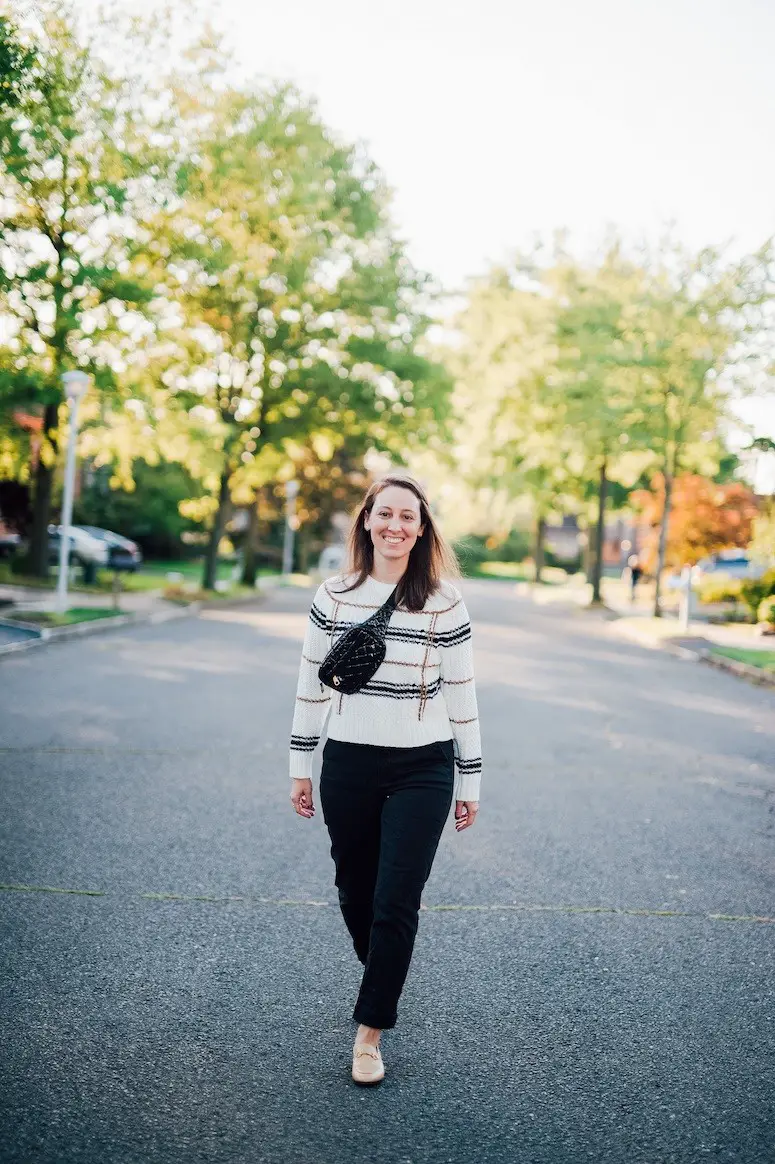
356, 656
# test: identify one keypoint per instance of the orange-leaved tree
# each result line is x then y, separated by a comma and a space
705, 517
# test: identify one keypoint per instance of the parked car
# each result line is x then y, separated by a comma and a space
85, 549
123, 554
9, 542
731, 563
724, 564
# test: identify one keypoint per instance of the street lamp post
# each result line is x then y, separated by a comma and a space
685, 607
291, 493
75, 384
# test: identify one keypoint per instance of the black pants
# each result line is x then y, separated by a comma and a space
385, 809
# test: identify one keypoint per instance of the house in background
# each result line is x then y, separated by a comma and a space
623, 537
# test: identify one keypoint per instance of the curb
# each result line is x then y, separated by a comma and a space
699, 655
223, 603
47, 635
753, 674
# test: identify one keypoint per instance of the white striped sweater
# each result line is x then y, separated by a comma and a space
422, 692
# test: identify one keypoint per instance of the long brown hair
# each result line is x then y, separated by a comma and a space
430, 558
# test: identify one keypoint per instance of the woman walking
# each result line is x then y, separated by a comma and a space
399, 749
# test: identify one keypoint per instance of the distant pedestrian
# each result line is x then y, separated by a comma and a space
399, 748
635, 572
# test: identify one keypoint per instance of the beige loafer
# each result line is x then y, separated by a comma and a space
367, 1064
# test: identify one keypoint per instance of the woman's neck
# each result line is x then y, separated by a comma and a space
387, 572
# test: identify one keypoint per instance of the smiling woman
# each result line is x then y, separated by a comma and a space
400, 748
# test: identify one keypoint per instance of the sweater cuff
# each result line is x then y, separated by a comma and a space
301, 765
467, 785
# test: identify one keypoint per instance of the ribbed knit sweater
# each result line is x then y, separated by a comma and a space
422, 692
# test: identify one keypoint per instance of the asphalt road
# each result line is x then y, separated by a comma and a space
593, 975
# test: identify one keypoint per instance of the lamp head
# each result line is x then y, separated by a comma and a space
76, 383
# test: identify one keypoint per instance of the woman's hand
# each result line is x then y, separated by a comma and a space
465, 814
301, 797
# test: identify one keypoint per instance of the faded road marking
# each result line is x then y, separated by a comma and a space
497, 907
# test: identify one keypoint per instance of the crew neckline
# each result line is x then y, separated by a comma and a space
377, 582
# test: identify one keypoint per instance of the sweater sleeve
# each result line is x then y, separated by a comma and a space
458, 685
312, 703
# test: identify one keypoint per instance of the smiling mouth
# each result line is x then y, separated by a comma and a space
393, 541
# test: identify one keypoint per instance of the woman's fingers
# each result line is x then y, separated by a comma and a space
301, 798
465, 814
308, 808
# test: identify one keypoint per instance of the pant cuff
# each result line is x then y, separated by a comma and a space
372, 1019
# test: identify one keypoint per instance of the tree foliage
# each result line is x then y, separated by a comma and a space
221, 263
78, 176
706, 517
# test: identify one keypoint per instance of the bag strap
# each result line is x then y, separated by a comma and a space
382, 615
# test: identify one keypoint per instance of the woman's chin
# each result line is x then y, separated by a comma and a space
391, 553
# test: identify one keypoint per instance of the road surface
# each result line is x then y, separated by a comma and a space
593, 975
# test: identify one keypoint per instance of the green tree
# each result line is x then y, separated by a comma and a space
492, 368
77, 175
300, 316
17, 63
695, 318
149, 513
599, 377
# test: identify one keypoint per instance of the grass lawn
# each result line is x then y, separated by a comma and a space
8, 577
50, 618
763, 659
152, 575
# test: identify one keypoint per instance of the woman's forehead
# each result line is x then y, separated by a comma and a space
395, 495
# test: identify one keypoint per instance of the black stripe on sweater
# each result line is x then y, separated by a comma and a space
400, 690
397, 634
304, 743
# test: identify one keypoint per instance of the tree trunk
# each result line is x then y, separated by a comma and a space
597, 562
250, 560
211, 557
662, 547
41, 511
538, 549
586, 554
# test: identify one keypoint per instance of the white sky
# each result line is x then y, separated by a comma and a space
496, 121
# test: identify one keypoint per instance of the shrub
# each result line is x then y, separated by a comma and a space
753, 591
474, 549
719, 590
766, 611
176, 592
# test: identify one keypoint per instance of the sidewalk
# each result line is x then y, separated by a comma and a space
135, 606
637, 620
634, 621
39, 598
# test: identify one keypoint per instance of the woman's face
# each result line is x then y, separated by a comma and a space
394, 522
